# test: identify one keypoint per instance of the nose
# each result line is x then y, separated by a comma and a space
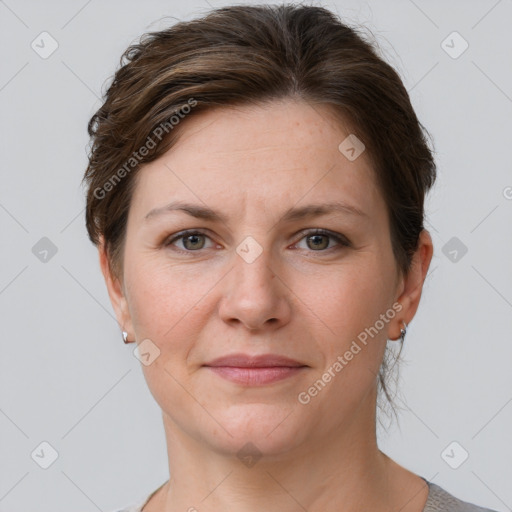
255, 296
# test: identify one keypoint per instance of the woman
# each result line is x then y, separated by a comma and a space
256, 191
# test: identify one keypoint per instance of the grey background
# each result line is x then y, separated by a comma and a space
66, 376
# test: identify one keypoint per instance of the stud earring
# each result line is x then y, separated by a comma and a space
403, 332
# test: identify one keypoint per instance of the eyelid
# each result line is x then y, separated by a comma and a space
341, 240
182, 234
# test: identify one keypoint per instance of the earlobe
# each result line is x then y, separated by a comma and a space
115, 291
413, 282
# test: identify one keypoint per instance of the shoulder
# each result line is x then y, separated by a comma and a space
134, 507
138, 505
129, 508
440, 500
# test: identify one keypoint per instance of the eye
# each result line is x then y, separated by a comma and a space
318, 240
192, 240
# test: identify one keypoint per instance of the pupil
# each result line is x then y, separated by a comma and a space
193, 238
317, 242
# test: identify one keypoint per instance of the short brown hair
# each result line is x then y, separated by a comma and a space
250, 55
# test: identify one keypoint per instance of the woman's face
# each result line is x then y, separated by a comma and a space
256, 280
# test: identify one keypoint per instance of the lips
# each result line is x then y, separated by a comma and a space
261, 361
247, 370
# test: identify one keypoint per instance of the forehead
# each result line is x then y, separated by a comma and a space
287, 128
270, 156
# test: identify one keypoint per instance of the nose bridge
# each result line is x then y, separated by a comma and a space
253, 267
254, 295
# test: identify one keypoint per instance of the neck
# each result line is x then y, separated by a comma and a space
343, 471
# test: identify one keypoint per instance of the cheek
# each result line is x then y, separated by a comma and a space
349, 300
351, 308
352, 345
164, 300
164, 304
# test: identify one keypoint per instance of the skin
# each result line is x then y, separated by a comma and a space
298, 299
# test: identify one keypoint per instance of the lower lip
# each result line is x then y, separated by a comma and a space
256, 376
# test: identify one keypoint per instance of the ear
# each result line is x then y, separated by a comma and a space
116, 292
412, 284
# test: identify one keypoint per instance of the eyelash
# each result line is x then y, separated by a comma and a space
342, 241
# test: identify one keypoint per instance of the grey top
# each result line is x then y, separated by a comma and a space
438, 500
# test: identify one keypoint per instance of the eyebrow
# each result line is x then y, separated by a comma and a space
293, 214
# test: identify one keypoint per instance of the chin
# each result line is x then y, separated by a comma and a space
269, 429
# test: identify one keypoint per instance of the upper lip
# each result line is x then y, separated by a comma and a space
248, 361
